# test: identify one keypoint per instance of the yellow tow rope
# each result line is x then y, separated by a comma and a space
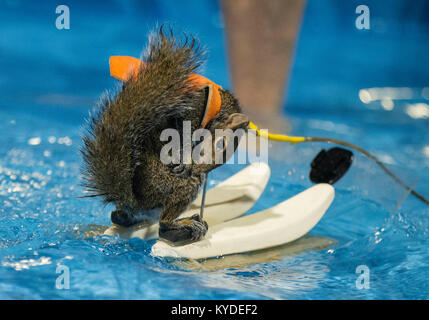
276, 137
294, 140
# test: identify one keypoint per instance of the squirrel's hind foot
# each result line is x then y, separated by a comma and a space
183, 231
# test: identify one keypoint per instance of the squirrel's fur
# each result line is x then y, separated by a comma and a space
121, 150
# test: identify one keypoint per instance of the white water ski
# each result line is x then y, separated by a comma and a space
239, 260
228, 200
283, 223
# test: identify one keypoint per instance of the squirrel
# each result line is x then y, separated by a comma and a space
121, 148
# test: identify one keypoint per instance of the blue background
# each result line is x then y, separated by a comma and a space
51, 78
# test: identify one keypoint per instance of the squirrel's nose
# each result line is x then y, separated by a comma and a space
237, 120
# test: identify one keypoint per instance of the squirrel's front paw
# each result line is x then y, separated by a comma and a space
183, 231
181, 170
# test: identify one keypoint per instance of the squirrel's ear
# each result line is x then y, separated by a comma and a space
237, 120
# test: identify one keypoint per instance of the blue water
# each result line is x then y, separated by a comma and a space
50, 79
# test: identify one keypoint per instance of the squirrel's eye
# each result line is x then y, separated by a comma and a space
220, 144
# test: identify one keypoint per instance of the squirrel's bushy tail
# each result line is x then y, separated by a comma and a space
121, 125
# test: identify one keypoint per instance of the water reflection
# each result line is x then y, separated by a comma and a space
418, 110
386, 93
272, 272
